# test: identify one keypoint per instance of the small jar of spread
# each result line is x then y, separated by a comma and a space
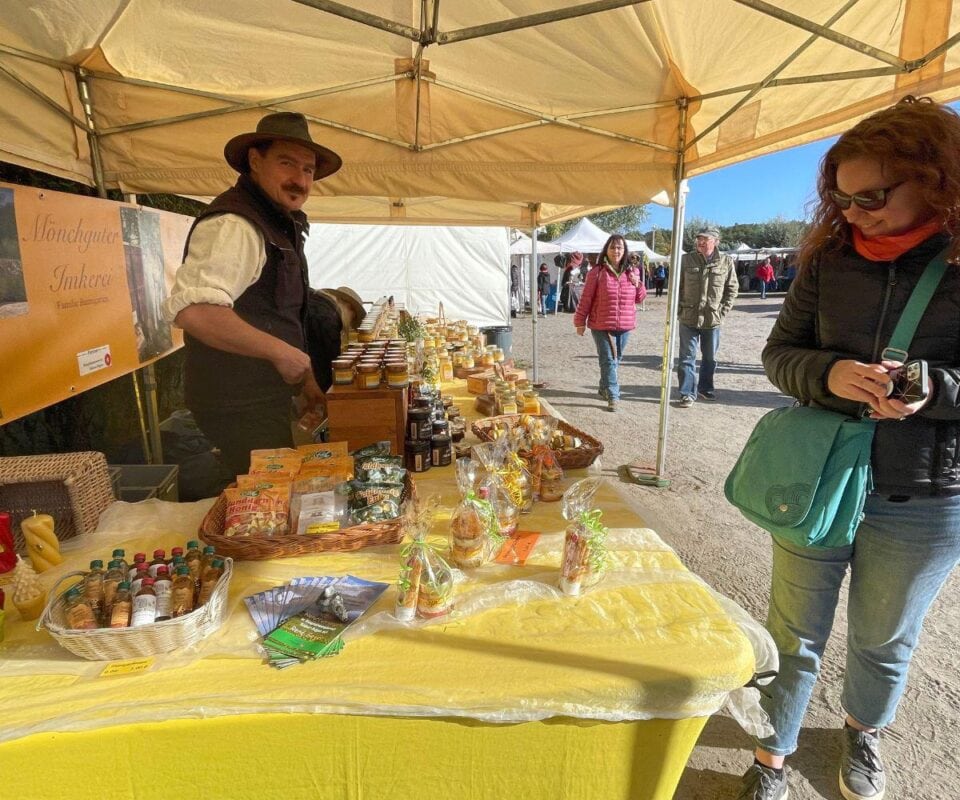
440, 427
419, 424
417, 455
368, 375
342, 371
397, 375
441, 451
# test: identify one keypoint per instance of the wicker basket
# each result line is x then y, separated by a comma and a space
108, 644
73, 488
259, 548
573, 458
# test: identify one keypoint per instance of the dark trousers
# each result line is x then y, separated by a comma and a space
237, 432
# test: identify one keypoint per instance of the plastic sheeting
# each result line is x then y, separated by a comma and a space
465, 268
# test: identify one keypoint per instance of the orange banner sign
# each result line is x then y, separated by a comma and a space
81, 285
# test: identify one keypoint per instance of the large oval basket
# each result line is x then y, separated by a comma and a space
573, 458
259, 548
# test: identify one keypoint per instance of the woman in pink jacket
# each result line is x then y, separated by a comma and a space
608, 307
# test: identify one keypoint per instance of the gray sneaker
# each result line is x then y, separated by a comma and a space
763, 783
861, 770
611, 404
603, 394
686, 401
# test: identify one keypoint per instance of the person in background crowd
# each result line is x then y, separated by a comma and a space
639, 262
543, 289
241, 293
659, 273
764, 274
608, 307
574, 261
888, 203
708, 287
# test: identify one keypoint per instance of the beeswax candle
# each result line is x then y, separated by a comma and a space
42, 545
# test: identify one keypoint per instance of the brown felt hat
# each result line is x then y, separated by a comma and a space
284, 126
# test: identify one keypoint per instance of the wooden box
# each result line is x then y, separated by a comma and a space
363, 416
482, 382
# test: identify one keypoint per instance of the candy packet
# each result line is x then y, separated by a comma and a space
546, 474
490, 457
425, 584
584, 557
256, 512
474, 528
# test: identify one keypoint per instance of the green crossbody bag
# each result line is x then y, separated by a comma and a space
804, 474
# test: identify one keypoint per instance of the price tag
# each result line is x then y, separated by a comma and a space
133, 666
516, 549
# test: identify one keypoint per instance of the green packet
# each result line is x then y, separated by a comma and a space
380, 469
304, 636
361, 494
376, 512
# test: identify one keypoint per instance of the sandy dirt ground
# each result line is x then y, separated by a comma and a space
920, 748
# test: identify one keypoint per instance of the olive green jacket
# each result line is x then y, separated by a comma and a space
707, 289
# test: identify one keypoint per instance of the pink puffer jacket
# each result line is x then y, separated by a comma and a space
608, 303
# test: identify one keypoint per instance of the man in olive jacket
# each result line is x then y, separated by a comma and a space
708, 287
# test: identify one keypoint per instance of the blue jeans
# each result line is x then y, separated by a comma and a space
763, 290
610, 359
901, 557
708, 340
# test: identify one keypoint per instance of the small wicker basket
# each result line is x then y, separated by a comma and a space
260, 548
108, 644
572, 458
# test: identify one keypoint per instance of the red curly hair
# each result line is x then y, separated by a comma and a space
916, 139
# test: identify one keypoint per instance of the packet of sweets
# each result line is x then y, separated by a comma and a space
425, 584
286, 466
490, 457
584, 557
474, 528
546, 474
256, 512
380, 469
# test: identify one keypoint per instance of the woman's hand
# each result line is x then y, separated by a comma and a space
869, 383
581, 329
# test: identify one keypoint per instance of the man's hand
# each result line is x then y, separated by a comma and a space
581, 329
292, 364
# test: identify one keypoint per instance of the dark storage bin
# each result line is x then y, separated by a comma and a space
145, 481
501, 336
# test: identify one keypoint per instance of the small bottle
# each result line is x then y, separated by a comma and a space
120, 555
113, 579
174, 554
143, 571
163, 588
209, 553
159, 560
176, 561
209, 580
138, 559
192, 557
183, 590
144, 605
78, 613
122, 606
93, 587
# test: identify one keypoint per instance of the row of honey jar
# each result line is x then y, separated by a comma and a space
369, 366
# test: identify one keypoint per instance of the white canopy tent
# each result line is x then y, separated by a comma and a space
588, 237
458, 113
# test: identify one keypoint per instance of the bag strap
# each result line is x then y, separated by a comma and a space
902, 336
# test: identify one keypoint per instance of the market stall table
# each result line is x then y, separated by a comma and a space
521, 693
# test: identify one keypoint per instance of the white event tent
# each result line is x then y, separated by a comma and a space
457, 112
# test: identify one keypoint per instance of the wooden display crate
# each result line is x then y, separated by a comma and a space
363, 416
482, 382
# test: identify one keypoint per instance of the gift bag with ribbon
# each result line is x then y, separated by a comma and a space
584, 558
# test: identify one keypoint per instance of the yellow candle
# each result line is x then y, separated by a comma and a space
42, 545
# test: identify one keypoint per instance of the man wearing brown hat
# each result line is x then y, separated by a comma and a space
708, 287
241, 293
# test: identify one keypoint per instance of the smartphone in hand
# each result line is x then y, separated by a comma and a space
908, 383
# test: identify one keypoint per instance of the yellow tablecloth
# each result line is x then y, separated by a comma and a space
521, 692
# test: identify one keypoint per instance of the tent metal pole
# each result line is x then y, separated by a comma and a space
673, 299
380, 23
534, 309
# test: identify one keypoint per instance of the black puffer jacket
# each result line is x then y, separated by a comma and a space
847, 307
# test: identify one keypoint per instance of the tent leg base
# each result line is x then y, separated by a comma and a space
642, 475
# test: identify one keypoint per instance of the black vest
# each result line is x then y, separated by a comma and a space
274, 303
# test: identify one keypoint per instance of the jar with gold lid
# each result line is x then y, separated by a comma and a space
397, 373
369, 375
342, 371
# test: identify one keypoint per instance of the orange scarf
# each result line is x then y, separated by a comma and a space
887, 248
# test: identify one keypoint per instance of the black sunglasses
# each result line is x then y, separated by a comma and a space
873, 200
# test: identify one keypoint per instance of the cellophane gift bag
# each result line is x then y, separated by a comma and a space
584, 557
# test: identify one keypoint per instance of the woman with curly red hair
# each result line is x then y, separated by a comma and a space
889, 203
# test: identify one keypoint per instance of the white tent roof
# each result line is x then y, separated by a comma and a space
585, 236
496, 112
523, 245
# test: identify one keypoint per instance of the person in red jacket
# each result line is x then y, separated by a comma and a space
764, 274
608, 307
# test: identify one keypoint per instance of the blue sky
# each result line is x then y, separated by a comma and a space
753, 191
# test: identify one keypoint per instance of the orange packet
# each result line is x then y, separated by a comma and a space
517, 548
285, 466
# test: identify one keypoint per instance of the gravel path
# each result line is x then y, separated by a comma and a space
733, 556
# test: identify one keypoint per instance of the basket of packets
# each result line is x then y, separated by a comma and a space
314, 499
574, 448
109, 643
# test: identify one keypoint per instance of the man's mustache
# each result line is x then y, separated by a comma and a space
292, 188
